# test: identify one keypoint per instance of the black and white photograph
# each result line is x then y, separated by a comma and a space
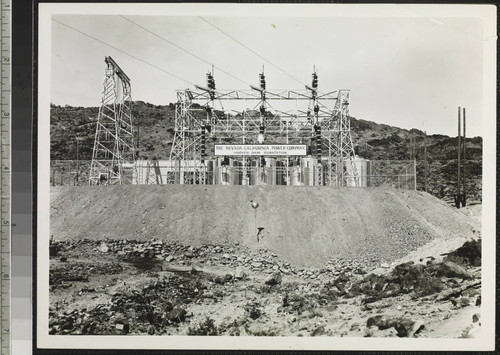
263, 176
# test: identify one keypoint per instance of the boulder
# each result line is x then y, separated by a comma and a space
408, 327
103, 248
274, 279
196, 267
380, 321
450, 269
318, 331
177, 315
240, 273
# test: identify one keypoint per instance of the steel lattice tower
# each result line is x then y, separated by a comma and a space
113, 156
324, 123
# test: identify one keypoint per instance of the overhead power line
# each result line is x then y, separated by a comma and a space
122, 51
251, 50
182, 49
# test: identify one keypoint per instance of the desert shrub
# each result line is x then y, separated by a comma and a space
254, 310
207, 327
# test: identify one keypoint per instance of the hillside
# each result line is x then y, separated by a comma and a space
155, 130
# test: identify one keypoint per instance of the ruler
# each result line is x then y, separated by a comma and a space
5, 175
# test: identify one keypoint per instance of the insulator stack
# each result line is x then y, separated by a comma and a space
315, 81
262, 81
211, 85
203, 144
317, 130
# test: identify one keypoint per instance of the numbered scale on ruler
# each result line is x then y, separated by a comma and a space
5, 175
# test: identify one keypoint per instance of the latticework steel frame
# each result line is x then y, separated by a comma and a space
113, 156
201, 107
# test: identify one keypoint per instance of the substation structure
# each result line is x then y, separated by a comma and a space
236, 137
260, 136
113, 156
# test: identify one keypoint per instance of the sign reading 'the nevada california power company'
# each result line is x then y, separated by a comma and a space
264, 149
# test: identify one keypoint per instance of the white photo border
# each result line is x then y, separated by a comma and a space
485, 342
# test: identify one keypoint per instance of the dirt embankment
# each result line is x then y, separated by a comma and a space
305, 226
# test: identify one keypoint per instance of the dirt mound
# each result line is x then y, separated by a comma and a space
304, 225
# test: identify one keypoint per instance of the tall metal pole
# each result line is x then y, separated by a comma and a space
425, 162
77, 159
414, 147
464, 184
457, 202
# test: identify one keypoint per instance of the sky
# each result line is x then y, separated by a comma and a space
409, 72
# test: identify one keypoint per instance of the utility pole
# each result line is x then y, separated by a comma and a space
459, 147
425, 161
463, 175
461, 197
77, 159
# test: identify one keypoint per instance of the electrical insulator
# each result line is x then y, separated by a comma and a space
315, 81
209, 110
316, 109
261, 129
317, 128
262, 82
262, 161
262, 110
210, 81
203, 144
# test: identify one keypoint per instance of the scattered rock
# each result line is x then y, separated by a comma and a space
274, 279
468, 254
450, 269
407, 327
476, 317
177, 315
103, 248
240, 273
196, 267
318, 331
381, 322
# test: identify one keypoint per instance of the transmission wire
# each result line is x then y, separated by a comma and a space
251, 50
122, 51
183, 49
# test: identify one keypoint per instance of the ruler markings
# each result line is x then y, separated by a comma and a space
5, 177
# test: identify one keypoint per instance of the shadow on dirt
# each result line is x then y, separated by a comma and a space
145, 264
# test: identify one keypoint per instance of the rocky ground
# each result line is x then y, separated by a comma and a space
166, 288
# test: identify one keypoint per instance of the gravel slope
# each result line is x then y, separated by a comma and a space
304, 225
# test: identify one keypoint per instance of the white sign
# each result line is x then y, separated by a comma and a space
261, 149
